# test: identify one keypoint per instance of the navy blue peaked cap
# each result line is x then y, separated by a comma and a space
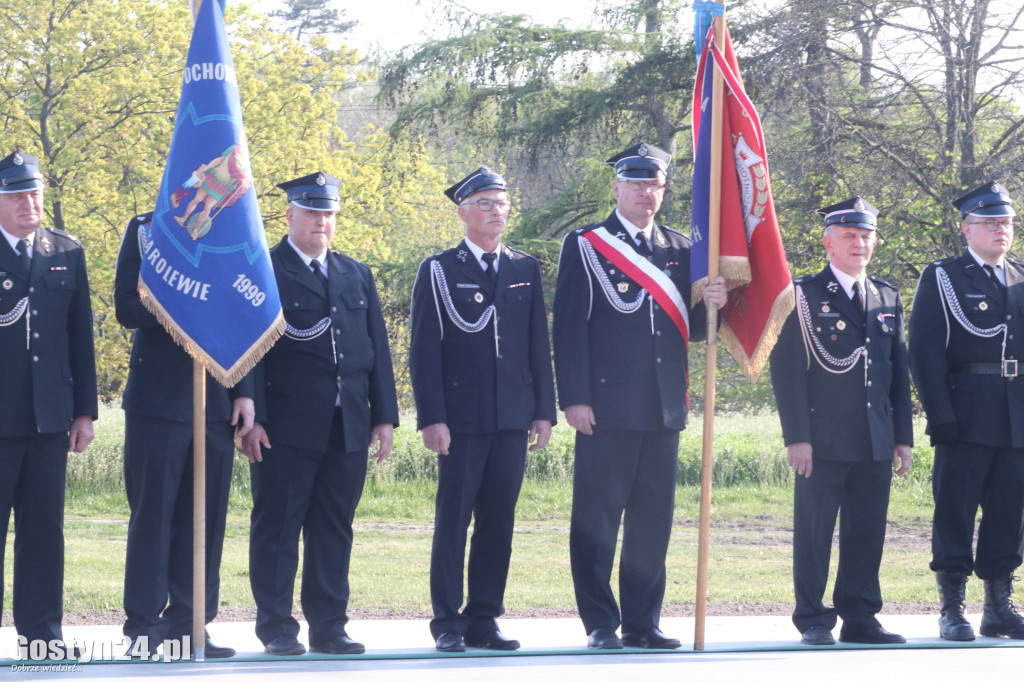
641, 162
316, 191
19, 172
854, 212
477, 181
989, 200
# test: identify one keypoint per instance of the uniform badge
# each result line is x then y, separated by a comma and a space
667, 272
641, 151
8, 284
832, 287
478, 297
462, 255
611, 271
825, 308
622, 287
983, 305
321, 180
840, 325
885, 328
18, 159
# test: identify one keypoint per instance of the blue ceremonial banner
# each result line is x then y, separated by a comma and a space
206, 272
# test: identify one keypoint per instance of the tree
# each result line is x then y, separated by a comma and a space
313, 17
548, 100
908, 103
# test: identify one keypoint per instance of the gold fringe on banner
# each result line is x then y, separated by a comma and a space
227, 377
735, 269
752, 366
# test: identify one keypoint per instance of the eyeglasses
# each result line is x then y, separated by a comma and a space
638, 186
993, 225
490, 204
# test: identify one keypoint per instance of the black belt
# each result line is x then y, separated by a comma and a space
1007, 368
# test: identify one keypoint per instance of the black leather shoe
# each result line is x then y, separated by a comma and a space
493, 640
817, 635
285, 645
214, 651
872, 635
341, 644
604, 638
450, 642
650, 639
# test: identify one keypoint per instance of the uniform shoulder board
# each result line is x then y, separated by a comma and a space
62, 234
1016, 261
881, 282
672, 230
518, 252
806, 278
143, 218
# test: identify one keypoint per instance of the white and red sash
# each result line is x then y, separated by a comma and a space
644, 273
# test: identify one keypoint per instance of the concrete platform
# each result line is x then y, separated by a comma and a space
762, 648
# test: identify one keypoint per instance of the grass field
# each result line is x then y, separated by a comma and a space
750, 559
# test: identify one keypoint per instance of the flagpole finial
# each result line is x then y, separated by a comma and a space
705, 12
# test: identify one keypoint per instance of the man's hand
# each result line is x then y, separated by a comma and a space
715, 293
799, 455
540, 434
251, 442
246, 409
581, 418
901, 456
384, 435
81, 433
437, 438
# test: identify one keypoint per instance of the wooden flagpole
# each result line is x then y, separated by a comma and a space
710, 364
198, 489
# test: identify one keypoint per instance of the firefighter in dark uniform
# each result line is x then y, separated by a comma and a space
48, 402
842, 386
158, 476
966, 338
325, 396
620, 322
482, 380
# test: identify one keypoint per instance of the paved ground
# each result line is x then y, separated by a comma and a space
736, 648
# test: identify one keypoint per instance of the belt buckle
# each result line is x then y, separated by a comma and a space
1009, 369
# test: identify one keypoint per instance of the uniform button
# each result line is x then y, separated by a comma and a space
1009, 317
602, 381
868, 340
869, 404
656, 307
31, 290
657, 333
869, 361
501, 357
35, 358
35, 312
658, 360
334, 308
337, 332
35, 335
362, 302
869, 383
341, 356
295, 305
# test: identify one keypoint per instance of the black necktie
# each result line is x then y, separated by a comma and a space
643, 247
489, 270
314, 265
858, 300
26, 262
995, 278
